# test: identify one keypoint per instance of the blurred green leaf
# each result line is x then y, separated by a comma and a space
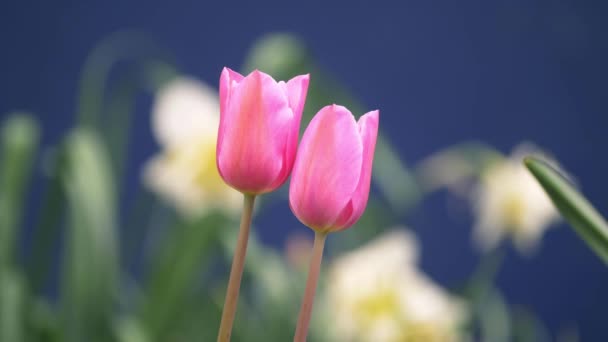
128, 329
396, 182
583, 217
42, 321
283, 56
197, 320
280, 54
495, 321
12, 307
46, 231
527, 327
120, 105
19, 143
127, 45
482, 281
90, 263
173, 274
489, 315
106, 103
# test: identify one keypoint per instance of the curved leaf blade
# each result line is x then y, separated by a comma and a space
90, 280
574, 207
19, 137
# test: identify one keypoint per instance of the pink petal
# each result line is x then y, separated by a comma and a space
228, 80
368, 128
254, 128
295, 90
327, 167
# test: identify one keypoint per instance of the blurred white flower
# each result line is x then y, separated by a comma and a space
377, 293
185, 121
509, 202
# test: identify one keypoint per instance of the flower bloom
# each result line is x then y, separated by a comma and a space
378, 293
259, 126
510, 202
331, 176
185, 119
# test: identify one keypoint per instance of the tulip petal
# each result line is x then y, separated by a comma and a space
259, 119
296, 90
326, 170
228, 79
368, 128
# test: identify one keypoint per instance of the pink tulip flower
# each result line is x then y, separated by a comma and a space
332, 172
259, 126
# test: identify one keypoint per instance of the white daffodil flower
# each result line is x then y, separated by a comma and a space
377, 293
509, 202
185, 121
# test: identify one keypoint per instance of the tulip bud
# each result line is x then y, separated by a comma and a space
259, 125
332, 172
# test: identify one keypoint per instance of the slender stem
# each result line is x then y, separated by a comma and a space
311, 288
236, 272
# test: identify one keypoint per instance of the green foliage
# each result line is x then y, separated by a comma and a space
19, 143
12, 307
179, 295
90, 263
177, 272
586, 221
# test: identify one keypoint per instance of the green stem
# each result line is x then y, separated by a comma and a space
236, 272
311, 288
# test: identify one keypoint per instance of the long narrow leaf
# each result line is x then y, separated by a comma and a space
12, 307
46, 233
127, 45
174, 273
575, 208
90, 262
19, 143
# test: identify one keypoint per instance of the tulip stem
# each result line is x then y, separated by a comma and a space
311, 287
236, 272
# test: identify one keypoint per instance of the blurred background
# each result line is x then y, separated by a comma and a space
442, 73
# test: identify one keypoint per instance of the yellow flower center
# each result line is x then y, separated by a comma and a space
207, 175
514, 210
382, 303
385, 304
199, 159
423, 332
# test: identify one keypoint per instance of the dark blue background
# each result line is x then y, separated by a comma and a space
441, 73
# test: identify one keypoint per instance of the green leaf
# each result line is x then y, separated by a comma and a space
128, 329
19, 142
494, 319
573, 206
528, 327
120, 105
106, 103
174, 272
42, 321
47, 229
127, 45
12, 307
90, 262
